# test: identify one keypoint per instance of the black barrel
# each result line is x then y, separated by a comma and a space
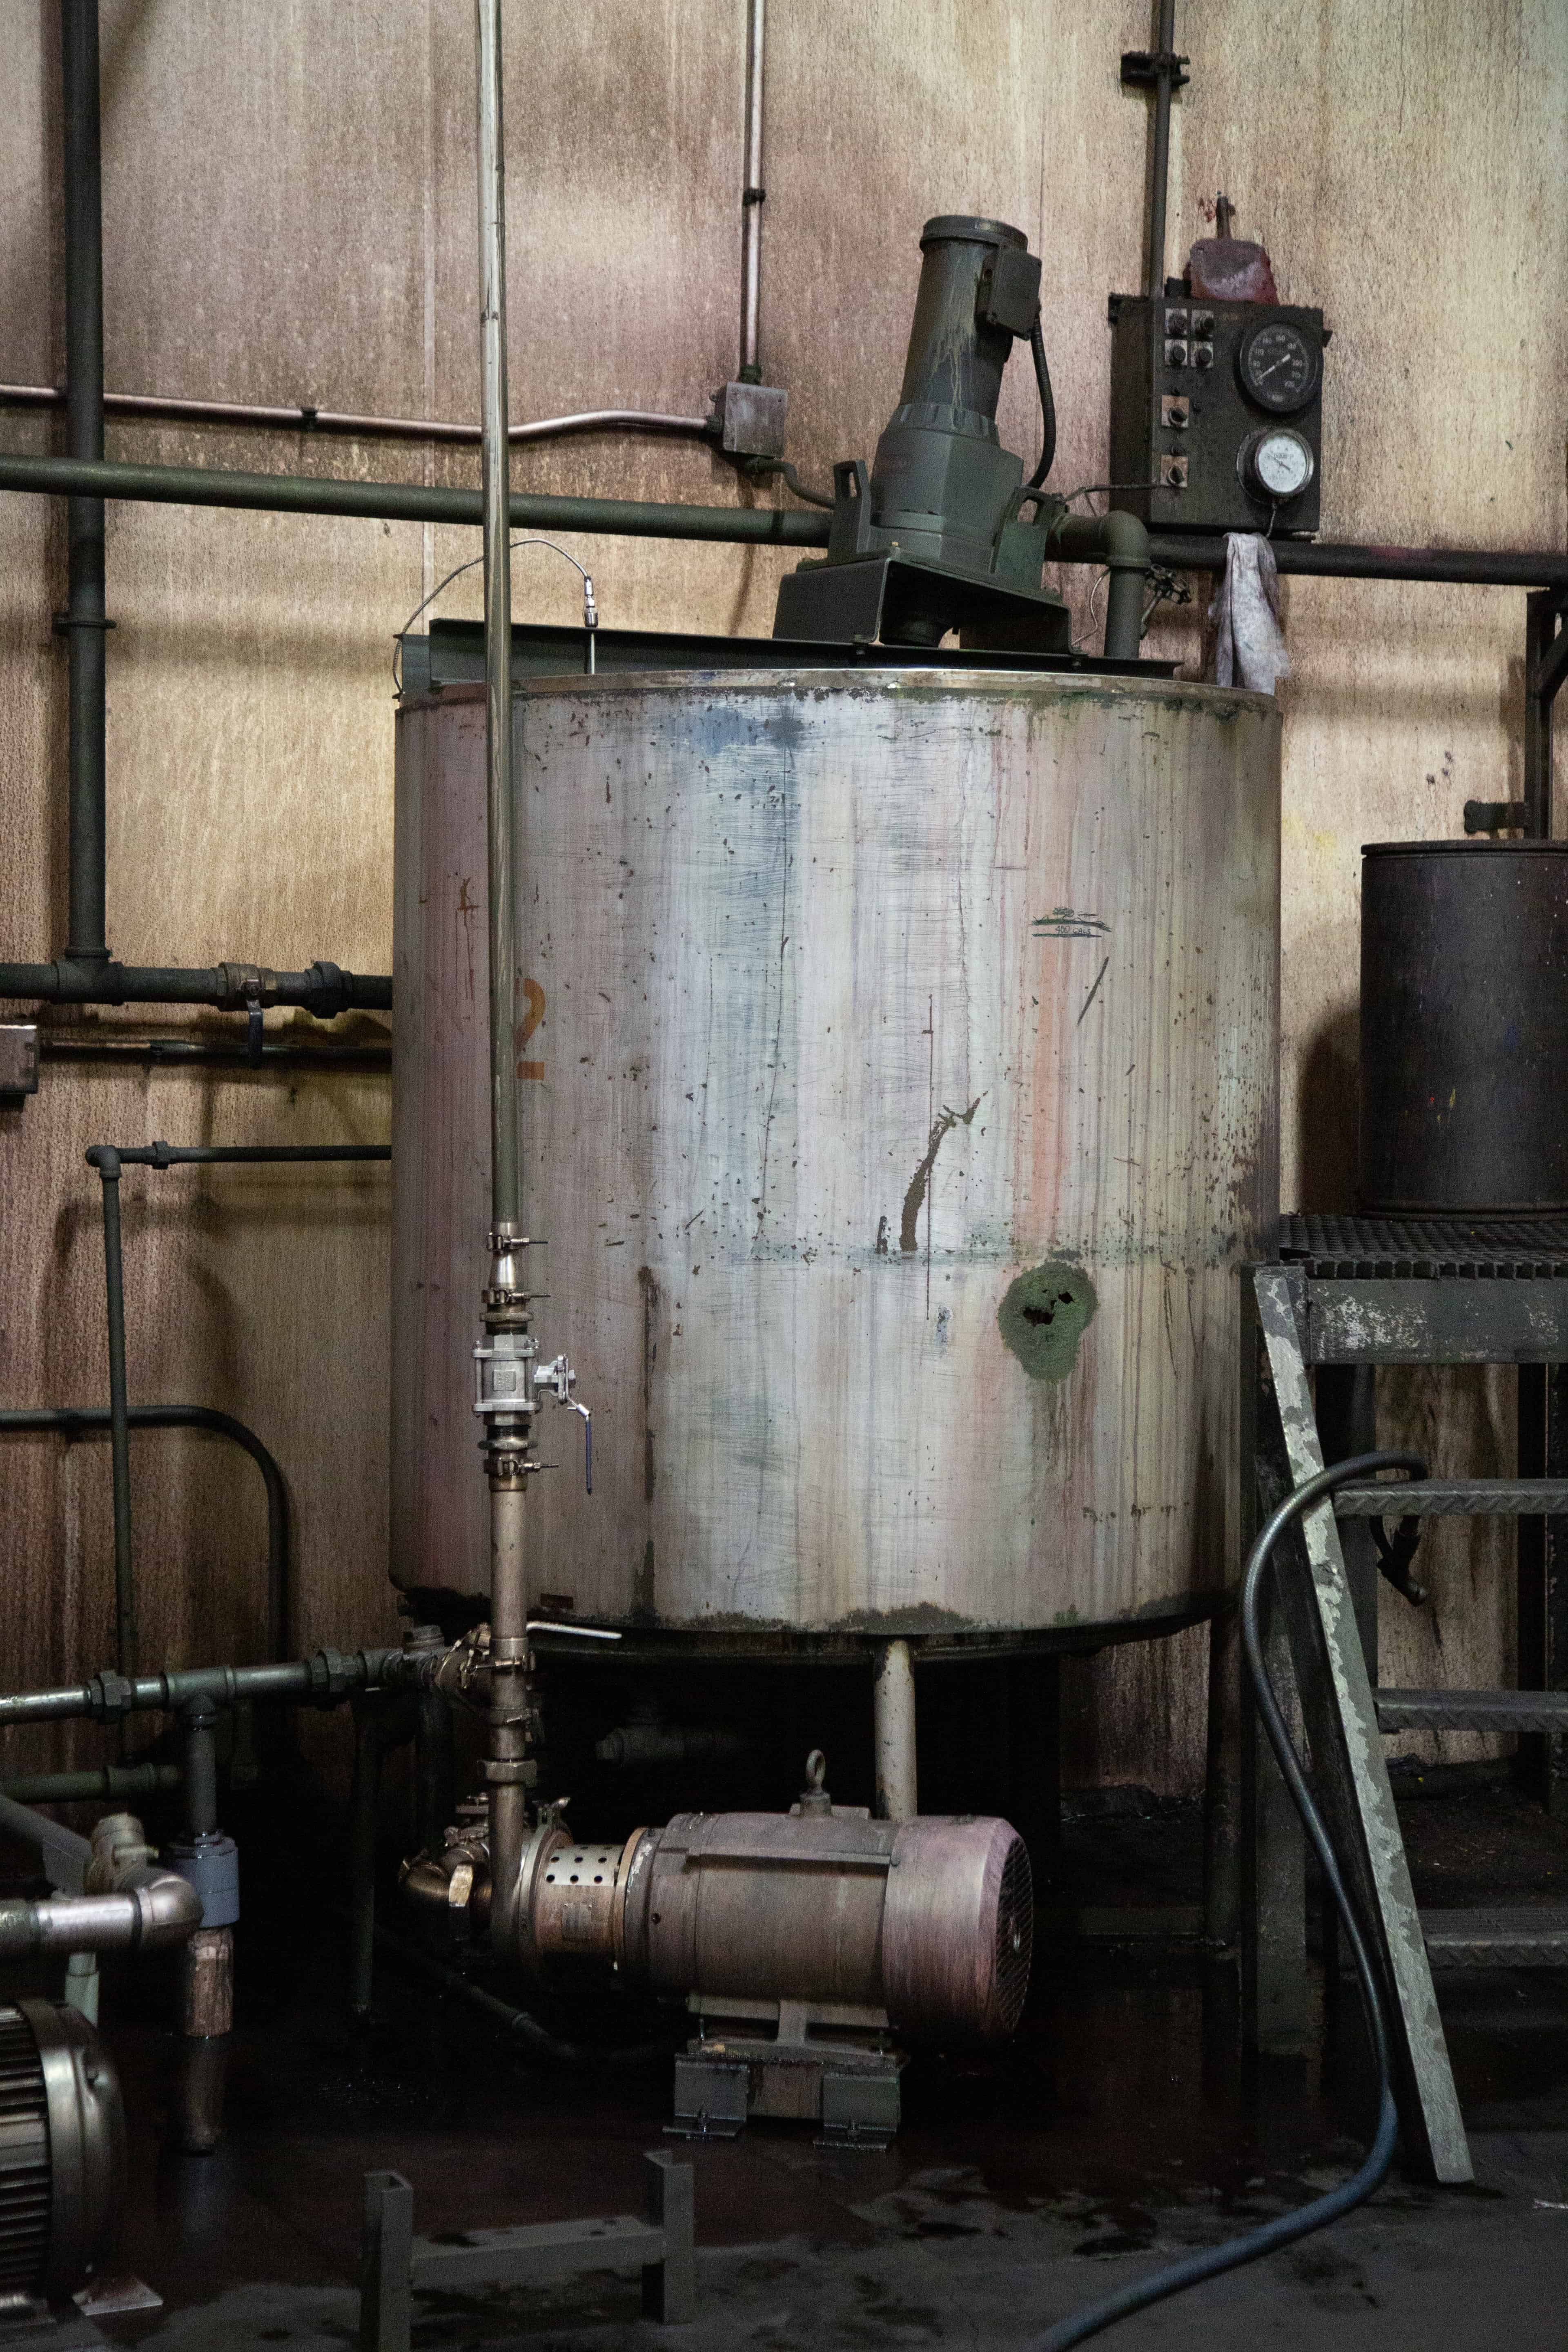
1464, 1027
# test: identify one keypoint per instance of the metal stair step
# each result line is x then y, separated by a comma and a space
1471, 1710
1470, 1499
1527, 1937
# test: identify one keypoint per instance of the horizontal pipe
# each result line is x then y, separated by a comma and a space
736, 525
109, 1157
101, 1783
160, 408
321, 1680
157, 1909
77, 1421
203, 486
324, 989
1465, 567
195, 1053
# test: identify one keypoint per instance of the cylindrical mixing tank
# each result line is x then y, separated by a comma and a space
1464, 1009
898, 1057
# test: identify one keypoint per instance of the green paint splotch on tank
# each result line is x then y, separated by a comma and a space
1045, 1315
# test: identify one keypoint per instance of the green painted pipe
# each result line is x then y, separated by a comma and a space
105, 1784
202, 486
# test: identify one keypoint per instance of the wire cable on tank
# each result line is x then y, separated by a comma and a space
590, 610
1078, 2326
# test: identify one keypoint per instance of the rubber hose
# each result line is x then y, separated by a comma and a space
1047, 406
1078, 2326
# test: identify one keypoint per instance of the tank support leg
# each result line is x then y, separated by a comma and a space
893, 1717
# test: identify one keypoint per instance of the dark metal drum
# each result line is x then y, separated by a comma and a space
1464, 1022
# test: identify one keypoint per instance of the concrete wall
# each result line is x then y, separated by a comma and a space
289, 215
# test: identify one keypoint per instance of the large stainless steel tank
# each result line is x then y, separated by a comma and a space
899, 1069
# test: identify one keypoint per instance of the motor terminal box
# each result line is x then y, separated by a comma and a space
1217, 413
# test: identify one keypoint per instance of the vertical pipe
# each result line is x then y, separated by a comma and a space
119, 1418
85, 621
1155, 283
893, 1717
201, 1771
505, 1301
363, 1804
505, 1199
753, 197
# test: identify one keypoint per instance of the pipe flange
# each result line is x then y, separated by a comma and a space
548, 1839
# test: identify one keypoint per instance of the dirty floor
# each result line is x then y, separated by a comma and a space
1118, 2130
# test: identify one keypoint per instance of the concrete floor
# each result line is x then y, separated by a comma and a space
1117, 2130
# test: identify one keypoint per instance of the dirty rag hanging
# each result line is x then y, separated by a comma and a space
1248, 641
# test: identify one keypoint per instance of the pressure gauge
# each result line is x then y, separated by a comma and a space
1276, 464
1278, 366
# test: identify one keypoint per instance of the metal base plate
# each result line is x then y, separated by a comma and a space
850, 2090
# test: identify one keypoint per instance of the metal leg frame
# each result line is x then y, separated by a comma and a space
395, 2266
1340, 1712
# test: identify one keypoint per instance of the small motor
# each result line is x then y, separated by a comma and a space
62, 2153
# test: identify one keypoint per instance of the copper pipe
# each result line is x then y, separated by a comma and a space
160, 408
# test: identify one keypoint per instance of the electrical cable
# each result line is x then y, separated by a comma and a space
1048, 405
1284, 2230
590, 612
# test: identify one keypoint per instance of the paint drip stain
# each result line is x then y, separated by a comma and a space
1045, 1315
914, 1199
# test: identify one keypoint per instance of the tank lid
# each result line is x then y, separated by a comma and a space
1470, 848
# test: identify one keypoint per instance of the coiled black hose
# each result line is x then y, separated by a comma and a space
1079, 2326
1048, 405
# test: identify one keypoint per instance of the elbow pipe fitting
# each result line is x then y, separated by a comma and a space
1121, 542
158, 1910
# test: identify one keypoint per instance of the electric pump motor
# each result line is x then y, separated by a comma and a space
62, 2152
924, 1926
943, 533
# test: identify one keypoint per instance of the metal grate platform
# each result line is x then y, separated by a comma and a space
1397, 1248
1514, 1939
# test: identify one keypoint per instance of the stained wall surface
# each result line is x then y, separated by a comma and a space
290, 217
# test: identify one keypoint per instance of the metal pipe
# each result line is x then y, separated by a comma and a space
103, 1783
630, 517
505, 1199
201, 1768
753, 197
184, 1155
80, 1420
1161, 166
65, 1853
118, 1426
363, 1804
893, 1699
196, 1053
160, 1909
1121, 542
85, 621
1466, 567
202, 486
158, 408
506, 1299
324, 989
323, 1680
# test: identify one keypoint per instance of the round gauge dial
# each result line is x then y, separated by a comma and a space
1278, 366
1276, 464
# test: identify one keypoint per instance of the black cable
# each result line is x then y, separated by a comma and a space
1283, 2231
1047, 406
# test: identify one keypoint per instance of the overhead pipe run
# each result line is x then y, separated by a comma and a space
167, 409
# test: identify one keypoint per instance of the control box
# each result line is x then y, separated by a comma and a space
1217, 412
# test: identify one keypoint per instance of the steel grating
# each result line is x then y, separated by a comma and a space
1515, 1938
1471, 1710
1401, 1248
